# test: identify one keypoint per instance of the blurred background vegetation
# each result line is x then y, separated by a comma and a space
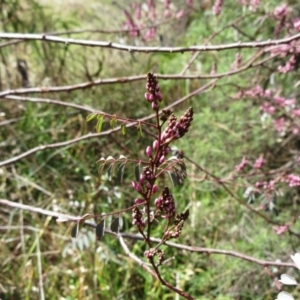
65, 179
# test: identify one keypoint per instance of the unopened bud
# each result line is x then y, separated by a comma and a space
138, 201
149, 151
154, 189
162, 159
154, 106
136, 186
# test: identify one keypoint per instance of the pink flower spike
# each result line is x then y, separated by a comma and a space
149, 151
242, 165
259, 162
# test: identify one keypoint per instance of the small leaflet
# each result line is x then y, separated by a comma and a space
75, 230
120, 173
91, 116
114, 227
100, 228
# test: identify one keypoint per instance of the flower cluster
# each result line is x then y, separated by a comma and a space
145, 185
242, 164
166, 204
178, 222
137, 217
151, 253
177, 129
293, 180
283, 110
153, 94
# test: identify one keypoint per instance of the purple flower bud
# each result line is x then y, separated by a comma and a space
154, 189
155, 145
167, 150
142, 177
154, 106
149, 97
136, 186
162, 159
148, 185
149, 151
159, 96
157, 202
138, 201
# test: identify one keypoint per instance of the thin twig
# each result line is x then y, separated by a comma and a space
235, 254
158, 49
94, 135
85, 85
149, 270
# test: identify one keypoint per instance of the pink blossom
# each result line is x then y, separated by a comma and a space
189, 3
150, 33
279, 124
280, 11
279, 100
167, 13
180, 14
289, 65
293, 180
290, 102
296, 112
242, 165
295, 130
296, 23
138, 11
167, 4
259, 162
281, 229
269, 186
268, 93
256, 91
217, 7
254, 4
268, 108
